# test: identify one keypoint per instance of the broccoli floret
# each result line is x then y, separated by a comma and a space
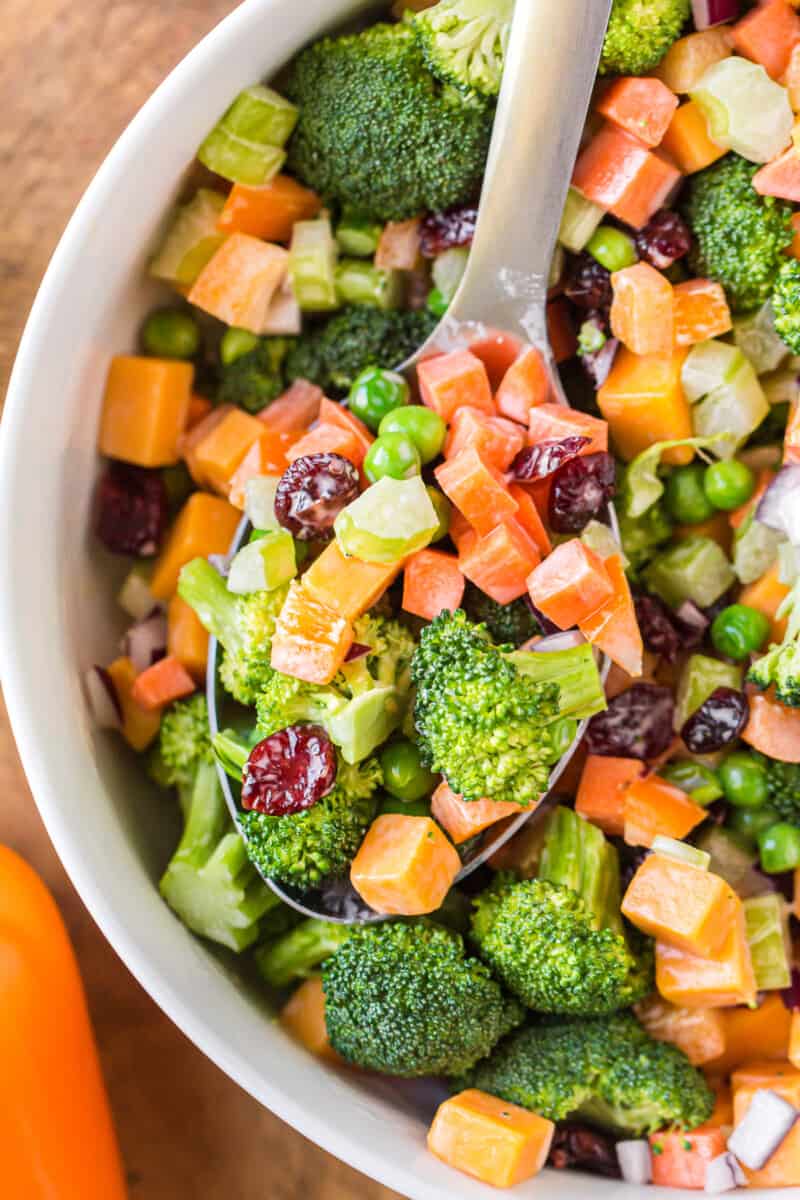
739, 235
255, 379
363, 705
780, 666
786, 304
308, 847
404, 999
557, 941
377, 132
607, 1070
509, 624
639, 34
334, 353
209, 882
299, 952
184, 742
488, 720
244, 626
465, 42
783, 785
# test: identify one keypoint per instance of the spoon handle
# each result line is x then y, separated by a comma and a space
550, 69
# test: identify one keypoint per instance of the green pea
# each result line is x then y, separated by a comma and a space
612, 248
171, 333
437, 302
443, 510
179, 485
697, 780
425, 427
744, 780
375, 393
752, 822
235, 343
779, 848
739, 631
728, 484
392, 454
684, 496
404, 776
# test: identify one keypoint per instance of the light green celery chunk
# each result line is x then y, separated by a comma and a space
358, 236
732, 410
746, 111
360, 282
192, 239
598, 537
246, 145
448, 270
788, 563
682, 851
706, 366
695, 569
388, 521
263, 565
755, 336
260, 114
259, 502
312, 265
365, 722
578, 221
767, 922
781, 387
755, 548
700, 677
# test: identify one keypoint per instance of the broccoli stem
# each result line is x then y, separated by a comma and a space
574, 670
299, 952
204, 590
577, 855
231, 753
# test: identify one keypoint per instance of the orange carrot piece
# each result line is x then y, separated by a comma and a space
643, 402
782, 1169
528, 517
205, 525
613, 628
688, 59
700, 311
681, 1158
601, 791
699, 1033
199, 408
493, 1141
311, 640
570, 584
718, 528
739, 515
642, 311
641, 105
780, 177
679, 904
791, 439
721, 980
773, 729
139, 725
560, 331
347, 585
405, 866
449, 381
722, 1113
239, 283
687, 141
791, 79
552, 422
794, 249
525, 384
476, 489
656, 808
196, 434
266, 456
399, 245
462, 819
187, 639
331, 413
268, 212
750, 1033
432, 583
165, 681
216, 456
766, 595
498, 352
145, 410
294, 410
303, 1016
794, 1040
328, 439
767, 35
499, 562
497, 440
461, 532
620, 174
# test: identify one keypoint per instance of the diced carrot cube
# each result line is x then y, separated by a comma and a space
718, 528
239, 283
794, 1039
680, 1158
347, 585
642, 309
405, 866
476, 489
331, 413
681, 905
399, 245
268, 212
570, 584
461, 532
450, 381
496, 440
328, 439
782, 1168
601, 792
758, 1072
613, 628
766, 595
773, 729
490, 1139
145, 409
163, 682
655, 808
266, 456
767, 35
498, 352
205, 525
688, 59
781, 177
560, 331
791, 438
432, 583
196, 434
303, 1016
528, 517
199, 408
311, 640
187, 638
794, 249
215, 457
294, 411
701, 311
526, 383
642, 106
499, 562
643, 402
721, 980
699, 1033
763, 1031
621, 175
722, 1113
139, 725
687, 141
552, 422
462, 819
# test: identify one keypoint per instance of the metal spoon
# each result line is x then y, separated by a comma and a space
549, 74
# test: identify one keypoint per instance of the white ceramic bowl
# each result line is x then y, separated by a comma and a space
57, 616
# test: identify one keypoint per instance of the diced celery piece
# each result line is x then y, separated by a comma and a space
556, 267
788, 563
358, 236
732, 859
234, 158
259, 501
360, 282
695, 569
700, 677
246, 145
734, 409
756, 338
312, 265
578, 221
755, 548
260, 114
388, 521
263, 565
448, 270
767, 922
191, 240
746, 111
366, 722
706, 366
781, 387
598, 537
682, 851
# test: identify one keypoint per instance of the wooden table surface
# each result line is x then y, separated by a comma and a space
72, 74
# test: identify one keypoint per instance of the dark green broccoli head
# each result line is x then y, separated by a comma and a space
184, 742
786, 304
509, 624
783, 784
308, 847
255, 379
333, 353
607, 1070
780, 666
425, 147
402, 998
739, 236
640, 32
465, 42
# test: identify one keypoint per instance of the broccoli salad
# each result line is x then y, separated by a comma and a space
413, 583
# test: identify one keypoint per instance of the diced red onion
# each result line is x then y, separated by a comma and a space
146, 641
723, 1174
104, 703
556, 641
356, 651
692, 616
714, 12
635, 1161
791, 995
767, 1122
780, 505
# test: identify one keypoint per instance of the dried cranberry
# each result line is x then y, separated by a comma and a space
663, 631
630, 862
131, 509
312, 493
636, 724
664, 239
289, 771
791, 995
588, 283
598, 364
584, 1148
356, 651
717, 722
582, 487
539, 461
443, 230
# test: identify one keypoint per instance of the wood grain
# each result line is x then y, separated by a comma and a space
72, 74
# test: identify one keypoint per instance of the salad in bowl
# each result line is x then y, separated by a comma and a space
373, 604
